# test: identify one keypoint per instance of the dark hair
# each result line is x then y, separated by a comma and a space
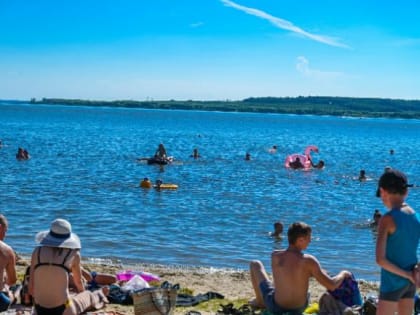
278, 225
394, 182
296, 230
3, 221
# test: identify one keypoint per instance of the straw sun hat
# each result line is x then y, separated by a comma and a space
59, 235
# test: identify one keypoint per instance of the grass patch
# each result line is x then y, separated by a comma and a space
212, 306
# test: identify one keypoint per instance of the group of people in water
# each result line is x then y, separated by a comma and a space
57, 259
297, 164
161, 157
146, 183
21, 154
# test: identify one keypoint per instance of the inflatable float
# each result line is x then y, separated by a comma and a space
160, 161
167, 186
126, 275
305, 159
156, 160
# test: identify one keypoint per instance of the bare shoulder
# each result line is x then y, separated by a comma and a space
312, 264
386, 222
310, 258
6, 249
278, 252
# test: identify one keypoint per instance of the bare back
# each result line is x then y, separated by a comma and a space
50, 282
291, 274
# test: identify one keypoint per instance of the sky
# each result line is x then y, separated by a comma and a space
208, 49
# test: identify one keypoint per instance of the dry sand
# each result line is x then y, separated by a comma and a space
234, 285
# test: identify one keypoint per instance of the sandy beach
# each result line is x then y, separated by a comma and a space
234, 285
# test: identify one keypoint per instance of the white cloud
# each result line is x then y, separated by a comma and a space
284, 24
198, 24
303, 67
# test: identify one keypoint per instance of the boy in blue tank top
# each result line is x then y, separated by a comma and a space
396, 246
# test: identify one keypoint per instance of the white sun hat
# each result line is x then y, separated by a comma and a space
59, 235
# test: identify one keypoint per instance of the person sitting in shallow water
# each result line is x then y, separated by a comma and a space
247, 156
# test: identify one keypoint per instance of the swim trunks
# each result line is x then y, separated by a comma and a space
4, 301
267, 290
406, 292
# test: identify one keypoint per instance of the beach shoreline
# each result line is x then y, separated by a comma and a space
234, 285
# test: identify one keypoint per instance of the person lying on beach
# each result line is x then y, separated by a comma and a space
7, 267
51, 264
292, 269
94, 280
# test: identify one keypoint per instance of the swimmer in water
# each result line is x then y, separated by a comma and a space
278, 230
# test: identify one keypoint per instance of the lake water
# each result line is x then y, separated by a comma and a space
83, 168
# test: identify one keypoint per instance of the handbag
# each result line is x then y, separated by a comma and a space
155, 301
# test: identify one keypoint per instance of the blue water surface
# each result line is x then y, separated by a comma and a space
84, 168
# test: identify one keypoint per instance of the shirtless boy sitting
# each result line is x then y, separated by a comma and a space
292, 269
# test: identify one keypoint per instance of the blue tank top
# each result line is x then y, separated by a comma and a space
401, 248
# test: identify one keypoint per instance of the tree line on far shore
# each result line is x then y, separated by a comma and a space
301, 105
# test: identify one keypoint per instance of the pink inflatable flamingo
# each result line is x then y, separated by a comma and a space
305, 159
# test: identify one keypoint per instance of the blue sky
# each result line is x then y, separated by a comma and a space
208, 49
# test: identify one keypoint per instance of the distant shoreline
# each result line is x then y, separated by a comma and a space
311, 105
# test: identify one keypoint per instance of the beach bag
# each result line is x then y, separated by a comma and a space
348, 292
155, 301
